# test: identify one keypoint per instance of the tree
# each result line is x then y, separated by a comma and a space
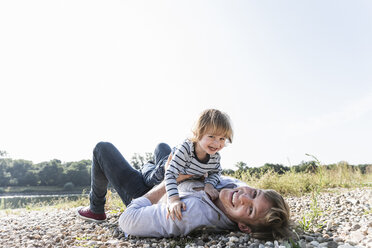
228, 172
3, 153
31, 178
278, 168
137, 160
308, 167
4, 174
241, 166
78, 173
19, 171
51, 173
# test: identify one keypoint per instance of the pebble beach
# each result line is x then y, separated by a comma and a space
344, 221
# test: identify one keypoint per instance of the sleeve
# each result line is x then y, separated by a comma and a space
215, 175
145, 220
177, 165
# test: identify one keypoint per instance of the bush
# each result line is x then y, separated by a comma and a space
68, 186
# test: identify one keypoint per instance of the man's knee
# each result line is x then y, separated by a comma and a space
163, 147
102, 146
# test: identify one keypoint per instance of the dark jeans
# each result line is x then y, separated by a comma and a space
110, 166
153, 171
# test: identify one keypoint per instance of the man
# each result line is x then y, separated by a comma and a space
262, 212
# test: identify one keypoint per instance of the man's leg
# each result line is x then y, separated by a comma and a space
152, 173
110, 166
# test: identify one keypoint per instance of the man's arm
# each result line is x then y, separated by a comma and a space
156, 193
141, 218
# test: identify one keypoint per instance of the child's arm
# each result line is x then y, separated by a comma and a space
170, 180
175, 206
176, 165
211, 182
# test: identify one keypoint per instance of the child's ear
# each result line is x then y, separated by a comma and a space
244, 228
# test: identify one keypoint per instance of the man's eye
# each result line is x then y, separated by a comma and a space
250, 211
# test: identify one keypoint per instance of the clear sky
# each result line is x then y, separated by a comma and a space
294, 76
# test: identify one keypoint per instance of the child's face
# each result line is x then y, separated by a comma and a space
211, 143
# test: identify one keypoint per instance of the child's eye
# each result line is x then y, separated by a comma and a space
211, 136
250, 211
223, 139
254, 194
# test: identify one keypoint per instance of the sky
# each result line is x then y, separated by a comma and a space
294, 76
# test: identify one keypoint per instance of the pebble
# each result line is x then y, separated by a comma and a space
345, 222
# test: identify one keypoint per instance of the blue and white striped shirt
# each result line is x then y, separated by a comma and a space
184, 161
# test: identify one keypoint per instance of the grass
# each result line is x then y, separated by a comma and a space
298, 183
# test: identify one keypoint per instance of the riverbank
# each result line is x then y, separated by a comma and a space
345, 221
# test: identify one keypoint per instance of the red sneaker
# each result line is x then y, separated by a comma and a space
85, 214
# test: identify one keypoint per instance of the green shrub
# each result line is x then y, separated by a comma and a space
68, 186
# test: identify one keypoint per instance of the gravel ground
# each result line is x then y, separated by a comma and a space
345, 221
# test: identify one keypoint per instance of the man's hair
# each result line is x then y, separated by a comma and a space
276, 222
215, 122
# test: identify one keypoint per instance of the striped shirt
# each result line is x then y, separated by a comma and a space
184, 161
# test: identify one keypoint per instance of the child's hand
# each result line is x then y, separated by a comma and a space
175, 206
211, 191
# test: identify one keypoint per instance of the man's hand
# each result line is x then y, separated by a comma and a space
211, 191
174, 207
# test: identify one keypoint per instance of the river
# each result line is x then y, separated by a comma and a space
22, 201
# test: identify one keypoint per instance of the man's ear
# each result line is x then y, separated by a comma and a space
244, 228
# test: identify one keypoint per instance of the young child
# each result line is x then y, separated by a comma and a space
199, 156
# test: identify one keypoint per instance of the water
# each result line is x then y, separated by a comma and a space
22, 201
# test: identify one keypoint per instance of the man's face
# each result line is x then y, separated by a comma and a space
244, 205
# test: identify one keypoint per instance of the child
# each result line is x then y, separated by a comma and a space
199, 156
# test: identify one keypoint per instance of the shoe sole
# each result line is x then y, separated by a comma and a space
86, 218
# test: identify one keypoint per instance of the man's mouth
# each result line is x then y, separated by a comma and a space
234, 198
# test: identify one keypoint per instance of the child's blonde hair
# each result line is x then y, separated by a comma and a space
214, 122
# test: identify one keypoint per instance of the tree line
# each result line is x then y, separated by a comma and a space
305, 166
19, 172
